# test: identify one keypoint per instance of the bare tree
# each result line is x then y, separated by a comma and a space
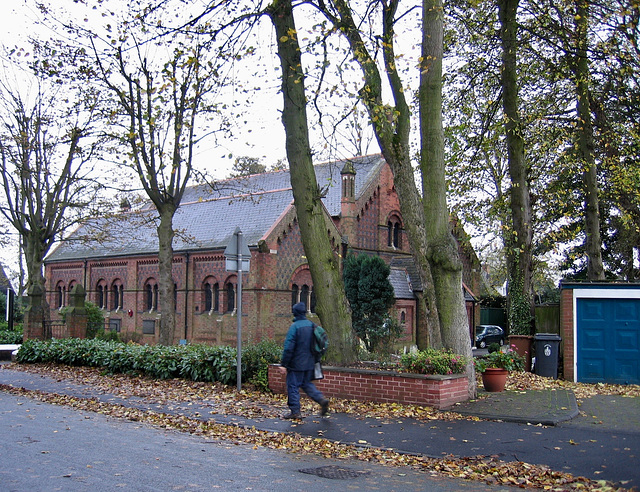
161, 94
47, 181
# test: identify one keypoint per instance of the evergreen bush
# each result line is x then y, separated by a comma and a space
195, 362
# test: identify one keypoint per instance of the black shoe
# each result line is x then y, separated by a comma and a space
324, 407
292, 416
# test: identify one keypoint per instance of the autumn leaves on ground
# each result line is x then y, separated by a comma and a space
253, 404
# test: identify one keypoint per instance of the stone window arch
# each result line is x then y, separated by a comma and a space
302, 289
394, 232
211, 295
151, 295
117, 295
60, 295
102, 294
230, 295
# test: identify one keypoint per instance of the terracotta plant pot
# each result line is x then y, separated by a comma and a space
494, 379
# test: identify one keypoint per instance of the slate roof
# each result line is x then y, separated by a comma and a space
401, 283
208, 218
406, 263
327, 175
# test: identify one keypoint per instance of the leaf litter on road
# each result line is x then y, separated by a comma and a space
253, 404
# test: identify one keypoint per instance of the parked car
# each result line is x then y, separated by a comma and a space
488, 334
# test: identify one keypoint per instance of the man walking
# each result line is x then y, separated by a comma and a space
298, 361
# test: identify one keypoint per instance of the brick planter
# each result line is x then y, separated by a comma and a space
384, 386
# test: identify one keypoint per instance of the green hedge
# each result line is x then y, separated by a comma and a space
432, 361
10, 336
195, 362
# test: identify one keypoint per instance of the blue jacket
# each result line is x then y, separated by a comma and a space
297, 355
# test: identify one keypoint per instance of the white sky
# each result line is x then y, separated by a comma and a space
262, 136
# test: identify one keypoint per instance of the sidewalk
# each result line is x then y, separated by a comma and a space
546, 407
538, 427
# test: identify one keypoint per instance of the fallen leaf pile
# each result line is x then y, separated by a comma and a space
523, 381
251, 404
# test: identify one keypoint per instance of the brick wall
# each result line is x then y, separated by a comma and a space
566, 332
384, 386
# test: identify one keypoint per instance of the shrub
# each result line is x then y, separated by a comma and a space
11, 336
494, 347
509, 360
255, 362
196, 362
432, 361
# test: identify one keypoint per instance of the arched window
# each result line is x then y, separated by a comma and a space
394, 229
117, 295
207, 291
231, 297
302, 289
148, 297
60, 296
102, 294
312, 302
210, 295
151, 295
155, 297
304, 295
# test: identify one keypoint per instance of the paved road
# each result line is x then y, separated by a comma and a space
602, 443
46, 448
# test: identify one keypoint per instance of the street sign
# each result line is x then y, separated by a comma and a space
236, 244
237, 255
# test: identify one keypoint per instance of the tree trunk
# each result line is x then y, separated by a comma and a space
392, 126
593, 244
443, 249
332, 305
166, 299
34, 258
518, 241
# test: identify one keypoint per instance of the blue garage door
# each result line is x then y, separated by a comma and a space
608, 333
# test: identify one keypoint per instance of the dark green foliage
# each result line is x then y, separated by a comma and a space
10, 336
432, 361
370, 294
494, 347
195, 362
255, 362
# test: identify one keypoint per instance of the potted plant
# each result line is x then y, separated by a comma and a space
496, 366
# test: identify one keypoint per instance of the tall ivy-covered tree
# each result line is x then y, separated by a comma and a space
443, 248
434, 250
332, 303
519, 239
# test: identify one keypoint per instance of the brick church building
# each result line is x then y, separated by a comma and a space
115, 258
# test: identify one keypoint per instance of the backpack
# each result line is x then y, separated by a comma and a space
320, 342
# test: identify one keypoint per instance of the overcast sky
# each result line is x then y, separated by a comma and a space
262, 136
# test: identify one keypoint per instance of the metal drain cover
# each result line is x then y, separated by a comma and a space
334, 472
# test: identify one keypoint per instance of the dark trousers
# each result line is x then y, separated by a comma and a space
297, 380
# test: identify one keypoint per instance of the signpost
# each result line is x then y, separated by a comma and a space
238, 257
